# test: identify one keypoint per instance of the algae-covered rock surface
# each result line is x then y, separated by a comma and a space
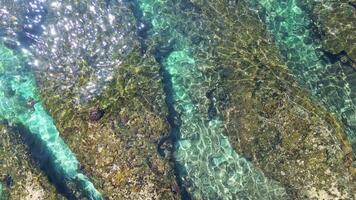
20, 176
186, 99
336, 22
119, 150
270, 119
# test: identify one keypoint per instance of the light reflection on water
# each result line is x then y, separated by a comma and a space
86, 39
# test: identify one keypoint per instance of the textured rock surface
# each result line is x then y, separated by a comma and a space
20, 105
269, 119
127, 163
336, 23
120, 150
203, 154
82, 43
330, 78
28, 181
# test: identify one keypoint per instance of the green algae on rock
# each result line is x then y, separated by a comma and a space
15, 161
2, 196
203, 153
331, 83
126, 164
218, 68
268, 117
17, 89
205, 162
335, 22
119, 151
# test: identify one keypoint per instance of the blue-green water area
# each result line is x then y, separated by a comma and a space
1, 191
330, 80
21, 106
208, 166
239, 106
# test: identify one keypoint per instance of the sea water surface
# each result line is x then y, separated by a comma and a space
331, 82
64, 41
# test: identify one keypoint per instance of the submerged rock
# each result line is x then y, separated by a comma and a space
326, 75
269, 118
229, 79
41, 134
83, 43
114, 150
8, 180
26, 176
335, 22
100, 62
96, 115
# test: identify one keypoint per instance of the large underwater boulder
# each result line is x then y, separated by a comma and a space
265, 114
335, 22
20, 176
269, 118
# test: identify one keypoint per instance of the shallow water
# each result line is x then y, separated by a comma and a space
332, 83
20, 105
163, 82
208, 161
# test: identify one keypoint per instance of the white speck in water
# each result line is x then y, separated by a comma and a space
69, 7
111, 18
25, 51
36, 63
53, 31
92, 9
55, 4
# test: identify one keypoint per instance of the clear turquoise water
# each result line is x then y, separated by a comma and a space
206, 164
331, 83
20, 104
1, 191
